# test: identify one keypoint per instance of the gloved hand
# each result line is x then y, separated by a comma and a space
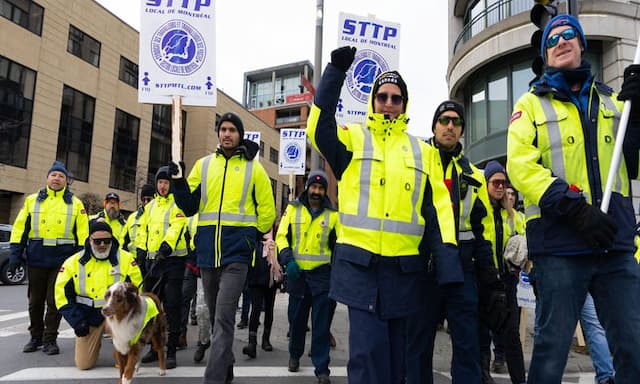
13, 268
343, 57
497, 312
164, 251
293, 270
82, 329
177, 170
141, 256
597, 228
631, 85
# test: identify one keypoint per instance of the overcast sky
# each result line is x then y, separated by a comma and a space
255, 34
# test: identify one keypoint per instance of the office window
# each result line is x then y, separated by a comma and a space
289, 115
84, 46
76, 132
273, 155
17, 86
284, 199
274, 186
261, 148
160, 147
124, 156
498, 104
25, 13
128, 72
478, 111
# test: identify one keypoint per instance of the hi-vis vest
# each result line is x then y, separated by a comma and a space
150, 311
382, 191
309, 237
162, 220
559, 144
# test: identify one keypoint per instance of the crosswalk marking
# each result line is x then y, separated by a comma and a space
13, 316
72, 373
21, 328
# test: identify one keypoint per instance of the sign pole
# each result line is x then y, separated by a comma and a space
292, 186
176, 128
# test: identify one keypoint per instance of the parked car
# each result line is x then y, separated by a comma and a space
21, 273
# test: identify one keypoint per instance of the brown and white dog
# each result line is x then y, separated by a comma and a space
125, 312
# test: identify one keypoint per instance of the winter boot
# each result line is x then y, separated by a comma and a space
171, 358
250, 349
266, 344
485, 364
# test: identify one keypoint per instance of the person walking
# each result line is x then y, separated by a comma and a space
306, 238
232, 193
81, 284
51, 226
560, 144
458, 303
389, 204
161, 241
130, 228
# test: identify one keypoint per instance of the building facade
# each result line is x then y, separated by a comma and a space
68, 91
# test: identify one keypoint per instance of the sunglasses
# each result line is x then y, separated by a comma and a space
106, 241
567, 34
383, 97
445, 120
498, 183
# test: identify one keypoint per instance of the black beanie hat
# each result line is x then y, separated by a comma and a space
235, 120
147, 190
448, 105
163, 173
317, 176
100, 226
392, 77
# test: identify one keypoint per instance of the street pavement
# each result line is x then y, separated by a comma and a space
268, 367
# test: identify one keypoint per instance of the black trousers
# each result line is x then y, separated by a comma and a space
40, 292
165, 280
262, 297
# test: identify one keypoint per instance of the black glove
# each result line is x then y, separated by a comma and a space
177, 170
597, 228
631, 85
342, 57
141, 256
13, 268
496, 313
82, 329
164, 251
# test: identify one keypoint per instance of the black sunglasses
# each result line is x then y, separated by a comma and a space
383, 97
106, 241
567, 34
444, 120
499, 183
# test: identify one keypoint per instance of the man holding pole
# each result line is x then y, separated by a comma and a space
560, 146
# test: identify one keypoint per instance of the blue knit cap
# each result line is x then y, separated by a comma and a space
492, 168
59, 167
562, 19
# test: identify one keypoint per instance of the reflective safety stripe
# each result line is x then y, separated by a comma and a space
67, 239
466, 235
360, 219
323, 239
466, 211
532, 210
617, 185
555, 139
83, 297
241, 216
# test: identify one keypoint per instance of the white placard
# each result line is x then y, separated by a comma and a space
293, 151
378, 47
524, 293
177, 52
255, 137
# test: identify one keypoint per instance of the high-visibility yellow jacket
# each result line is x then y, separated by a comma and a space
559, 149
83, 280
162, 221
51, 226
130, 229
116, 224
234, 199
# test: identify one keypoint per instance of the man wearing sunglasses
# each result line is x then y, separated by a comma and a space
389, 205
82, 282
559, 147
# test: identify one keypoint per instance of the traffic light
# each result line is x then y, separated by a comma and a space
541, 13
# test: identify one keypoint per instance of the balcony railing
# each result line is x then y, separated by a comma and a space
493, 14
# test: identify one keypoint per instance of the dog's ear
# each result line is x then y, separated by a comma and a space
132, 294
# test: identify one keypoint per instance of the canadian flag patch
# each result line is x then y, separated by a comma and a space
515, 116
61, 270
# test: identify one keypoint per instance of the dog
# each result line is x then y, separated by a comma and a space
125, 311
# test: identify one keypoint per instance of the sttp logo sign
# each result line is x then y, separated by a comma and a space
293, 151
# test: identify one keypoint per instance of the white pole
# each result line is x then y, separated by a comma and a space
617, 149
176, 128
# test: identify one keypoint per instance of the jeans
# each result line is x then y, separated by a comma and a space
222, 289
562, 284
596, 340
320, 314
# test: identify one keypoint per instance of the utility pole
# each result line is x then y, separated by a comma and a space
317, 70
572, 7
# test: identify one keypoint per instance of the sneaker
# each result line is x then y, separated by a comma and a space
150, 356
294, 365
324, 379
50, 348
199, 354
498, 366
32, 345
242, 324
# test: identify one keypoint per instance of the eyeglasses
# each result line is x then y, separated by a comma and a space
383, 97
567, 34
499, 183
106, 241
445, 120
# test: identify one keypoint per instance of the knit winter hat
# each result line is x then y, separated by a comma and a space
448, 105
235, 120
147, 190
492, 168
59, 167
392, 77
100, 226
563, 19
317, 176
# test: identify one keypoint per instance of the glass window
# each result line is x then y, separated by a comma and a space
273, 155
25, 13
124, 156
285, 198
274, 186
498, 102
84, 46
160, 146
520, 78
261, 148
261, 93
129, 72
290, 115
478, 111
17, 88
76, 132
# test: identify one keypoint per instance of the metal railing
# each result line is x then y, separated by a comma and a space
493, 14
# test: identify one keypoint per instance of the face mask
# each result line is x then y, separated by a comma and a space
100, 255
